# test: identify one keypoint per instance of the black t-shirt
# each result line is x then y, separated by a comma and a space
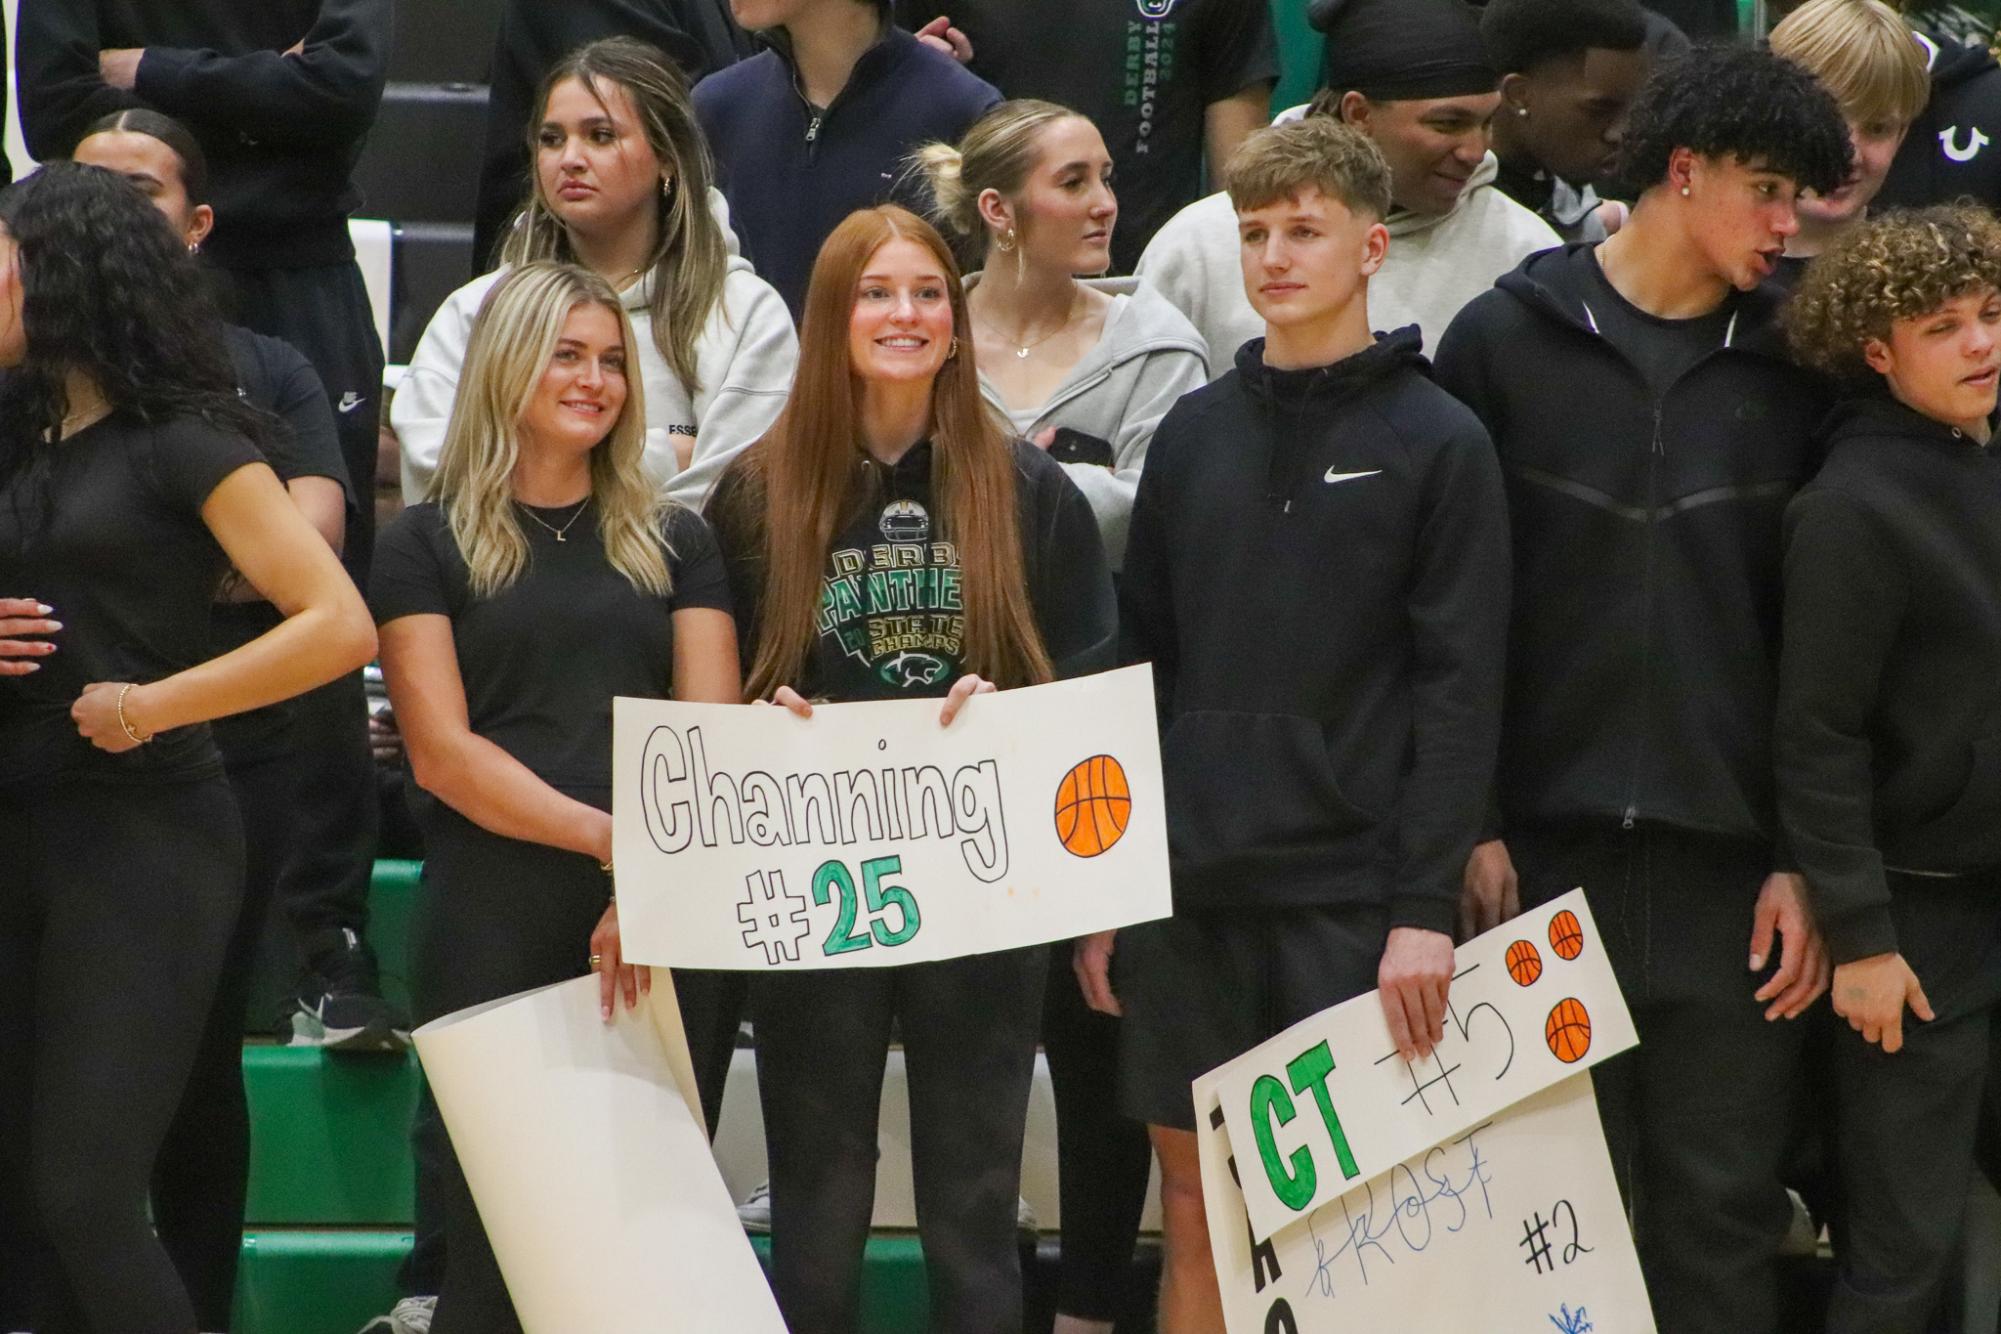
272, 375
111, 536
542, 658
1662, 349
1142, 70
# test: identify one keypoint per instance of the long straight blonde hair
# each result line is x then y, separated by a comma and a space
801, 479
690, 258
512, 340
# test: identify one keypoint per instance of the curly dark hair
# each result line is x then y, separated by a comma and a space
108, 290
1737, 101
1902, 265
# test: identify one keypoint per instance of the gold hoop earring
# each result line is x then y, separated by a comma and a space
953, 351
1005, 241
666, 187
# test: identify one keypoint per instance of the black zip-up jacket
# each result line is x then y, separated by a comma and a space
1643, 655
1888, 741
1318, 571
281, 133
892, 623
1954, 146
793, 171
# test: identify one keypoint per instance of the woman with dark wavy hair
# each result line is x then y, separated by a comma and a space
131, 479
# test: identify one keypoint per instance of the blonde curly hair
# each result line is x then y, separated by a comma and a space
1899, 266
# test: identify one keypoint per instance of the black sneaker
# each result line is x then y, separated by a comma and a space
340, 1006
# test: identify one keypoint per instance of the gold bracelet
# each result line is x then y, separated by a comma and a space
137, 740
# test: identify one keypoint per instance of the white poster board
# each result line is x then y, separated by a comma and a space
585, 1150
868, 835
1513, 1226
1328, 1103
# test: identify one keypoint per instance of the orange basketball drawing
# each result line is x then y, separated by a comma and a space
1092, 806
1566, 937
1568, 1031
1524, 963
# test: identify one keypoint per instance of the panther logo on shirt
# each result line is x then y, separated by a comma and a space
913, 669
1156, 9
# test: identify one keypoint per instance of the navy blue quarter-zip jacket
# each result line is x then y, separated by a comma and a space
1889, 720
792, 171
1318, 572
1643, 654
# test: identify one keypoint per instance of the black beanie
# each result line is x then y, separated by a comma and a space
1395, 50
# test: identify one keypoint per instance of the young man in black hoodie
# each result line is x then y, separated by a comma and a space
1953, 150
1888, 736
1652, 430
1318, 573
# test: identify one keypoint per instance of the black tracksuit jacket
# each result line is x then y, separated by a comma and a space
1889, 720
1318, 573
281, 133
1643, 654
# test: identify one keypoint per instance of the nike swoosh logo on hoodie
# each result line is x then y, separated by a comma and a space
1333, 476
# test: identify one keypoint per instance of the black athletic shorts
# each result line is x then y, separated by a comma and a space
1205, 986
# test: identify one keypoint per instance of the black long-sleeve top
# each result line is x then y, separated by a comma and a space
282, 133
1318, 571
1888, 738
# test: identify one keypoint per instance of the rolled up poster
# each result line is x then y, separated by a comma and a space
586, 1153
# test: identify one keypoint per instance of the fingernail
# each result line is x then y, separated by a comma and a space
30, 667
1757, 962
43, 609
54, 625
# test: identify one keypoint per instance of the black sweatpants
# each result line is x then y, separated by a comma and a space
1699, 1117
1905, 1124
499, 916
1103, 1158
115, 914
324, 313
202, 1177
968, 1028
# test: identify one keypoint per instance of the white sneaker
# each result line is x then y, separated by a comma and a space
412, 1315
755, 1211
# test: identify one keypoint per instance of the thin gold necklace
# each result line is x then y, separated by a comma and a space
568, 523
1021, 350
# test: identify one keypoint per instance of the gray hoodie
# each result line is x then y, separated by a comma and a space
1148, 356
1437, 263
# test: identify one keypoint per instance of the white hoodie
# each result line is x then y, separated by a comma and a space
1147, 357
1436, 264
745, 358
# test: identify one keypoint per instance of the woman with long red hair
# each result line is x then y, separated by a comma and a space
886, 459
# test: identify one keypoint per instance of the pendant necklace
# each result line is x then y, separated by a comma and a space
568, 523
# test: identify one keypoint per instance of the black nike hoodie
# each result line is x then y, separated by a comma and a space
1318, 572
1954, 146
1643, 654
1889, 720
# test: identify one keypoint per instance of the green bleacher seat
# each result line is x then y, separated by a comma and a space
316, 1282
392, 903
330, 1137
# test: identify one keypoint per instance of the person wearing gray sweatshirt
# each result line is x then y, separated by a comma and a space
1084, 368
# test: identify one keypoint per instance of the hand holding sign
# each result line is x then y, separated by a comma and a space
859, 835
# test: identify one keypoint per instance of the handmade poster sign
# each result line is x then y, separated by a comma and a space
585, 1150
868, 835
1328, 1104
1511, 1226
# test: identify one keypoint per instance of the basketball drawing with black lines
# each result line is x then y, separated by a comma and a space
1566, 935
1568, 1030
1524, 963
1093, 805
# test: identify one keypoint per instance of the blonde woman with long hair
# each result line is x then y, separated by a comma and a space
541, 533
623, 186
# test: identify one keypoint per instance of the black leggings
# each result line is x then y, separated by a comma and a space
500, 916
114, 916
968, 1028
1103, 1158
203, 1175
